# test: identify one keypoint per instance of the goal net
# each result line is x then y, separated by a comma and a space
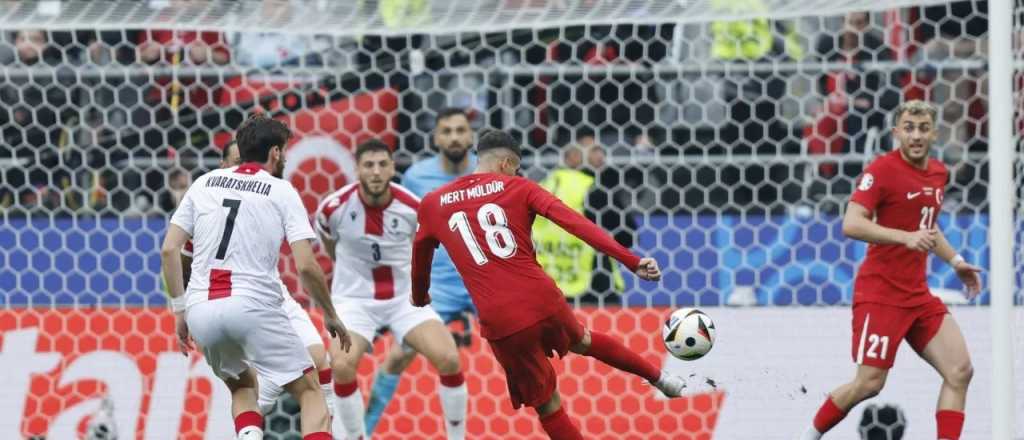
721, 137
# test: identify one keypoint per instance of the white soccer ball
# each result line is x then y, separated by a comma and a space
689, 334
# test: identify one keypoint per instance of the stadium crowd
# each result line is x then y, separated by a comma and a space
118, 122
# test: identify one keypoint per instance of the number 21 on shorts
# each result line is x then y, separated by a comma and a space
872, 345
494, 222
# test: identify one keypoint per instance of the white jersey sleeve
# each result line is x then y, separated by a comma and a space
297, 225
238, 217
184, 214
372, 245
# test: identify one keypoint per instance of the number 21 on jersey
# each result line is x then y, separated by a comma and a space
927, 217
494, 222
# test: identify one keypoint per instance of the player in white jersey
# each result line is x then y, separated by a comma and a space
367, 229
236, 218
297, 316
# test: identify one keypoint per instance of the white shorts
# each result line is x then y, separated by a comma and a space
301, 322
239, 332
363, 316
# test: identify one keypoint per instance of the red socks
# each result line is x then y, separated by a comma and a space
828, 415
453, 380
559, 426
325, 376
612, 352
248, 418
317, 436
948, 424
345, 389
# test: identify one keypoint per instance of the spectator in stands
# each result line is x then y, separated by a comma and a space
567, 259
950, 33
267, 50
856, 99
609, 204
182, 48
34, 113
611, 104
178, 181
752, 97
106, 47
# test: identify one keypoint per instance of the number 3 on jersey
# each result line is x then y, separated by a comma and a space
494, 223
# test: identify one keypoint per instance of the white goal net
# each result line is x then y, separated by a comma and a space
721, 137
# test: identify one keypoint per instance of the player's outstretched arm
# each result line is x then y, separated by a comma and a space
969, 274
859, 225
314, 282
170, 262
549, 206
648, 270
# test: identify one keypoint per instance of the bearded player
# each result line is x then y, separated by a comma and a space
299, 319
367, 229
894, 209
453, 137
237, 218
484, 221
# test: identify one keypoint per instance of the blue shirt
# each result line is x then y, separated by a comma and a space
448, 294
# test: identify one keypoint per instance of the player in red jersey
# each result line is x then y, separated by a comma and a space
902, 191
484, 221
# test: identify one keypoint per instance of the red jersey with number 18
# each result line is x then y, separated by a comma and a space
904, 197
484, 222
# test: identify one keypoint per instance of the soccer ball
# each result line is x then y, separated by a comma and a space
885, 422
689, 334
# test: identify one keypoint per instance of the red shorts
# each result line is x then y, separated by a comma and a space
524, 356
879, 328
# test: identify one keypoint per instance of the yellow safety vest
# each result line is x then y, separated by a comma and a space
740, 40
567, 259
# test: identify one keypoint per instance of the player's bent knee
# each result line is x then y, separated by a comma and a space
344, 369
960, 376
319, 356
449, 362
869, 386
396, 363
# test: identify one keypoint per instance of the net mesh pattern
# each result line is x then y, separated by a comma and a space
723, 138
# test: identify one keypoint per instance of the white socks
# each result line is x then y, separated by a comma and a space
811, 434
349, 411
250, 433
454, 401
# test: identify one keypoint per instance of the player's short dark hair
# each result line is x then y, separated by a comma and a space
494, 140
224, 151
448, 112
370, 146
258, 135
585, 132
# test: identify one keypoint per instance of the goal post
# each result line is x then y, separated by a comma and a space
721, 137
1005, 212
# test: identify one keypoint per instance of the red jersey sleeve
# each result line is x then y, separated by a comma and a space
423, 246
546, 204
870, 187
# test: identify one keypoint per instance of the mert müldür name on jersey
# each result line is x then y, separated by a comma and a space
472, 192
